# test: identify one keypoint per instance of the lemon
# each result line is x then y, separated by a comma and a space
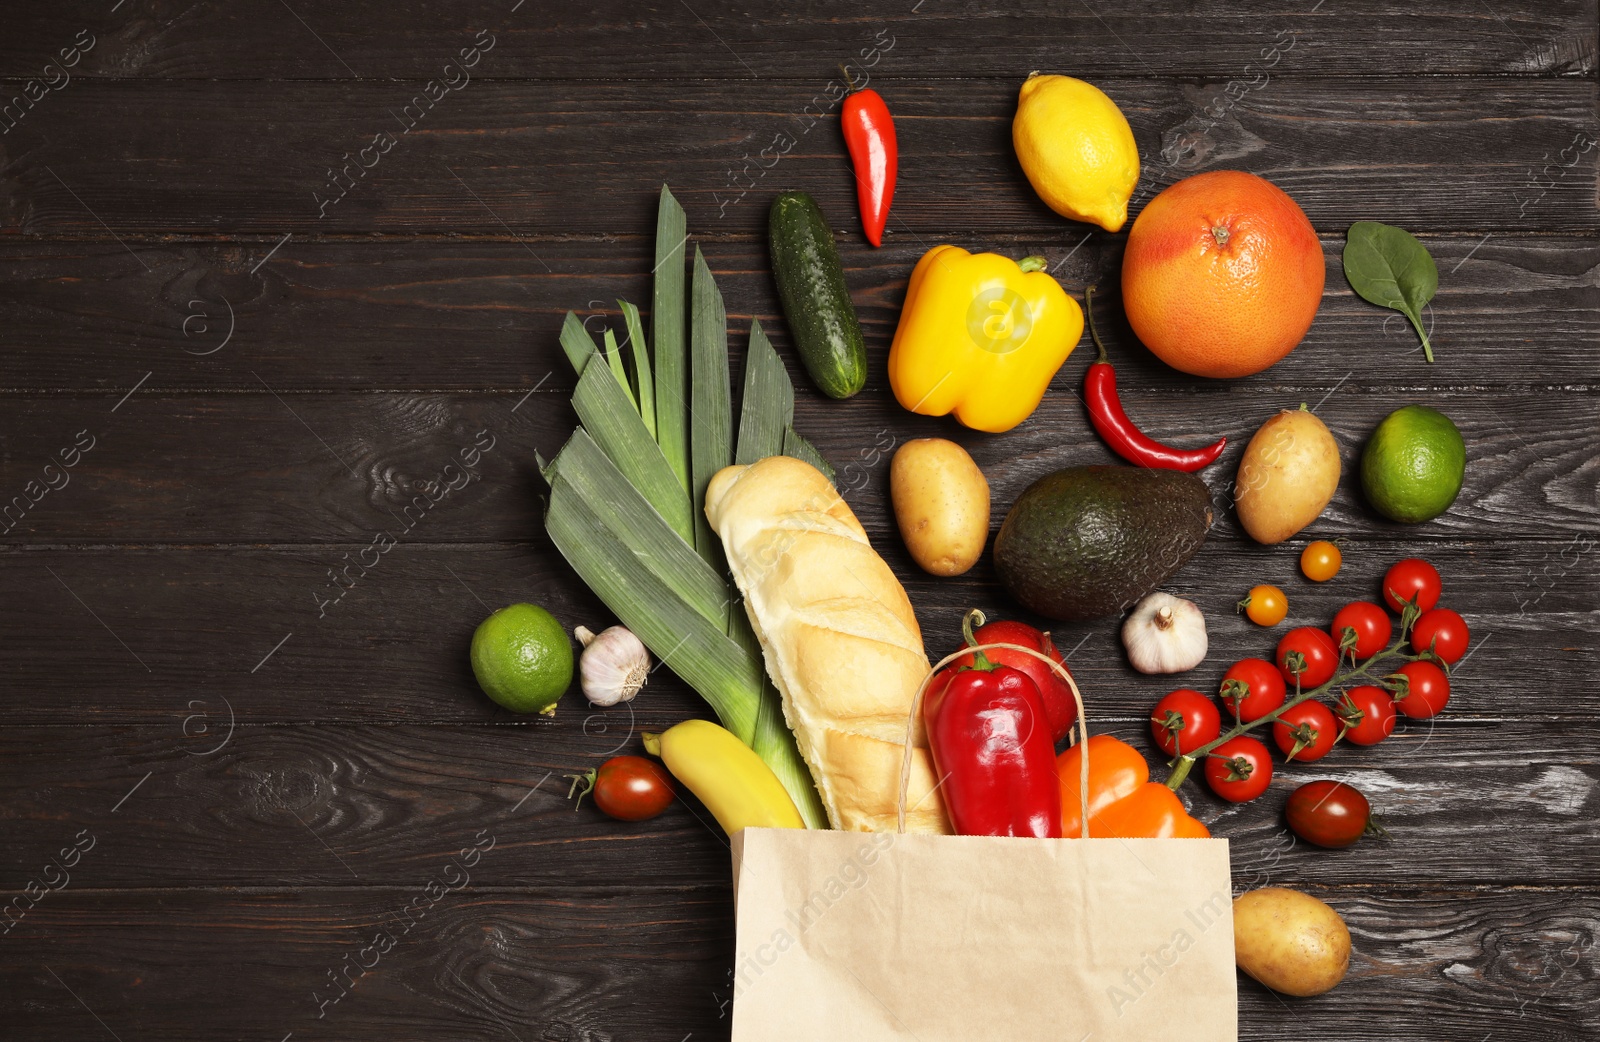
1412, 467
1076, 148
522, 659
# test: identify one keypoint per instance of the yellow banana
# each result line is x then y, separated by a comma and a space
726, 775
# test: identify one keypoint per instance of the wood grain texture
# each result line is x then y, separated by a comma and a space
596, 963
170, 39
366, 805
284, 468
237, 158
1511, 311
394, 649
271, 770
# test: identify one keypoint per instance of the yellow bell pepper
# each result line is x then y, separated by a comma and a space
981, 336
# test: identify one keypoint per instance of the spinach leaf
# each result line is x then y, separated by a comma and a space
1388, 267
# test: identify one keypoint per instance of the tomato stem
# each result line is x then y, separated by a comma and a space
1183, 764
587, 780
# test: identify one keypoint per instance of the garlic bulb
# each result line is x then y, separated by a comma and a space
614, 666
1165, 634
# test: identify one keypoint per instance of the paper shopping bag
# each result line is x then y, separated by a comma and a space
885, 937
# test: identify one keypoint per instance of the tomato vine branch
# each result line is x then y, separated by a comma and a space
1183, 764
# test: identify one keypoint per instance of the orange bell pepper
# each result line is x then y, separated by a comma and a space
1123, 802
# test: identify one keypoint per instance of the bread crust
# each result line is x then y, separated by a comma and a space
840, 640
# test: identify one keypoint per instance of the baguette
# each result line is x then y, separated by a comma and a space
838, 635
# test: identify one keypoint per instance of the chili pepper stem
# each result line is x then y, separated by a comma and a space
849, 83
1181, 768
1100, 356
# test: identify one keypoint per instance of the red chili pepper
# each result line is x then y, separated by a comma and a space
991, 745
869, 134
1119, 432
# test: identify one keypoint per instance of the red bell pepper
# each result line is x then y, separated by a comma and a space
1060, 708
991, 745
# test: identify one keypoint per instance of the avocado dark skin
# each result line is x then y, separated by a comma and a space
1090, 541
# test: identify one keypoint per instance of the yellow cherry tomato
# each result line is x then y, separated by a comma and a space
1265, 605
1320, 560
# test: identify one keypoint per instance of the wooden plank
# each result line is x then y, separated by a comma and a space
605, 962
173, 624
290, 468
723, 40
595, 964
1512, 310
345, 805
543, 158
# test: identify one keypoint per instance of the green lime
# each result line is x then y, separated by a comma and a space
522, 659
1412, 467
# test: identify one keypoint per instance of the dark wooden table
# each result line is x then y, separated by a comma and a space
225, 365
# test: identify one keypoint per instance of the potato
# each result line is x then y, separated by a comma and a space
1288, 474
1289, 941
941, 502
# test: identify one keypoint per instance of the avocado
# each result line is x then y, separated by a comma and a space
1090, 541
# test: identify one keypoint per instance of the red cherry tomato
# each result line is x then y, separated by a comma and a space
629, 788
1251, 689
1427, 690
1444, 631
1305, 732
1183, 721
1321, 656
1368, 713
1410, 578
1369, 625
1059, 706
1239, 770
1328, 813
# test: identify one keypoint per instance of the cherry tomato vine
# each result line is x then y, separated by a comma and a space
1400, 649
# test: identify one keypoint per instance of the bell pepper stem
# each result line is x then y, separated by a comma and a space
973, 620
1033, 263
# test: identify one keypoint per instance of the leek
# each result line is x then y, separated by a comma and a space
614, 360
576, 342
626, 490
768, 406
641, 368
799, 448
667, 329
710, 399
597, 481
608, 414
696, 649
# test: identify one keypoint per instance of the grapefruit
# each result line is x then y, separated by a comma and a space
1223, 274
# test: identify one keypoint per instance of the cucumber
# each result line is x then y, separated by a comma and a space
816, 302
